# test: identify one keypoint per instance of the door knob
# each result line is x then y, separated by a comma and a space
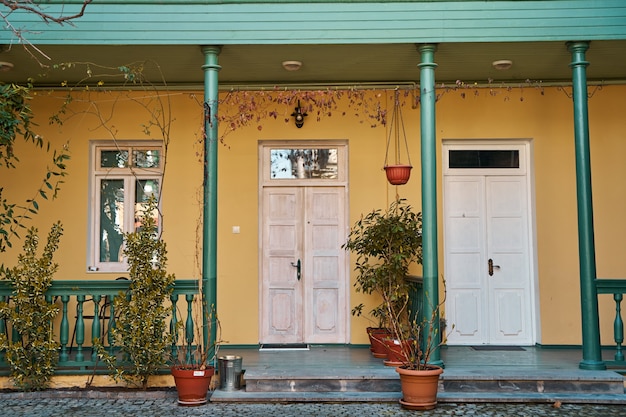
492, 266
298, 266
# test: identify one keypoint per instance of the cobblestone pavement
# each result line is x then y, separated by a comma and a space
69, 407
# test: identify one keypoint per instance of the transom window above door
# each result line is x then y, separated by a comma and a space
477, 158
490, 157
291, 162
297, 163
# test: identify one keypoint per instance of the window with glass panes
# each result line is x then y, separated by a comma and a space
124, 176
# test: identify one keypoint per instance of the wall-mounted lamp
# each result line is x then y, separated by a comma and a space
299, 116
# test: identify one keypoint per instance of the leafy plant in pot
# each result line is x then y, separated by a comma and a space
192, 361
416, 339
386, 243
378, 334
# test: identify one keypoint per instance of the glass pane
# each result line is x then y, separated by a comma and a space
111, 220
114, 159
147, 158
303, 163
483, 159
144, 189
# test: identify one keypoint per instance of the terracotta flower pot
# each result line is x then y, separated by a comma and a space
377, 346
395, 354
419, 387
398, 174
192, 384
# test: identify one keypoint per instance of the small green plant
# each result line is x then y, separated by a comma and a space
417, 336
141, 330
190, 352
386, 244
33, 356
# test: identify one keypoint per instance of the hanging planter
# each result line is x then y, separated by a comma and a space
398, 173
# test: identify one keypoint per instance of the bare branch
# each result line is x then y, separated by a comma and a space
28, 6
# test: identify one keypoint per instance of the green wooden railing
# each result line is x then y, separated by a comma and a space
617, 287
81, 301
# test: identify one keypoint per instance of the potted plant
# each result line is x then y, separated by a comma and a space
191, 363
386, 244
416, 338
378, 334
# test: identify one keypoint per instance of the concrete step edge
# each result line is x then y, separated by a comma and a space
447, 397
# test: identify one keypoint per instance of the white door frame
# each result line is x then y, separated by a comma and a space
267, 180
526, 168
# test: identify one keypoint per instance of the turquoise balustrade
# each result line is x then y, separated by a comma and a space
80, 301
617, 287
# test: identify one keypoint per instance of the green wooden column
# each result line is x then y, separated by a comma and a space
209, 227
592, 355
429, 192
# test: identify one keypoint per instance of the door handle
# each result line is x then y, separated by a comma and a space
298, 266
492, 266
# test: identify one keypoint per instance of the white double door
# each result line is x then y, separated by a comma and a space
488, 266
303, 267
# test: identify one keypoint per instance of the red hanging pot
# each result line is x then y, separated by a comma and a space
398, 174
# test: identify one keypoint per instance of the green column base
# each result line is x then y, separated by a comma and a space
437, 362
591, 365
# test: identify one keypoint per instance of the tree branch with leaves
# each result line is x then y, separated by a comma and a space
15, 123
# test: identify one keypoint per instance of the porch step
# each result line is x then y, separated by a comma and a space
456, 385
573, 386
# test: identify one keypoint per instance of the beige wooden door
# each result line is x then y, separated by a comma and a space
303, 267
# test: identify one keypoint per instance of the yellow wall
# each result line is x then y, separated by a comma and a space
544, 116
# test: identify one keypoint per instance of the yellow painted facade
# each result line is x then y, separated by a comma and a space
544, 116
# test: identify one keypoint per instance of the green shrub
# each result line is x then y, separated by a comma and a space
141, 329
386, 244
33, 356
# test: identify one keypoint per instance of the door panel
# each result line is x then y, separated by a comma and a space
283, 314
465, 307
507, 246
486, 219
325, 293
508, 320
282, 299
306, 224
465, 259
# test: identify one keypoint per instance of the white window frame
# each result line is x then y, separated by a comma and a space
266, 147
127, 174
489, 145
